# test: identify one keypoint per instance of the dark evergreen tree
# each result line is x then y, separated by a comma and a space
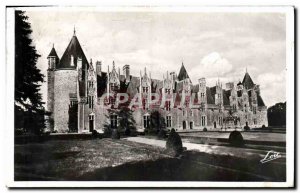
277, 114
29, 111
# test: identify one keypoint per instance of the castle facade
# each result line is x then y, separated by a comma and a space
80, 97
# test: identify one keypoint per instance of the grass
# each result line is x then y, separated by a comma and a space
108, 159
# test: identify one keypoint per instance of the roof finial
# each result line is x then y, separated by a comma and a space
74, 31
113, 64
246, 70
53, 45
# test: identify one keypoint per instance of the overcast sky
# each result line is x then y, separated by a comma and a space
211, 45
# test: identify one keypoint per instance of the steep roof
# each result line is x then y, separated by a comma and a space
52, 53
74, 49
182, 73
260, 101
247, 81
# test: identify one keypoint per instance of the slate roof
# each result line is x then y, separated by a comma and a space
260, 101
52, 53
74, 49
247, 81
182, 73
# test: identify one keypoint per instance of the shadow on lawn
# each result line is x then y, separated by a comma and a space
191, 167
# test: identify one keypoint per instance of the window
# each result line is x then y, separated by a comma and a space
91, 117
254, 110
112, 101
183, 112
219, 95
254, 121
168, 105
145, 89
91, 84
234, 107
72, 61
168, 91
146, 121
203, 120
72, 103
220, 121
202, 94
169, 121
114, 121
52, 62
91, 101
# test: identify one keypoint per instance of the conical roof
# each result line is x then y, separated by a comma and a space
52, 53
247, 81
73, 50
183, 73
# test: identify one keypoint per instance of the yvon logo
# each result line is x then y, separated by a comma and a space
271, 155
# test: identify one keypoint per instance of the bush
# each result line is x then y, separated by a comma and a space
247, 128
95, 134
107, 132
115, 134
162, 134
236, 139
204, 129
127, 132
263, 126
174, 143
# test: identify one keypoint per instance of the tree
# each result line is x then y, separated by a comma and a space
277, 114
29, 110
126, 120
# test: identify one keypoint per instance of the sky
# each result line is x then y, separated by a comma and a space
213, 45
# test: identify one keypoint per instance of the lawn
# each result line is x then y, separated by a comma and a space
66, 159
106, 159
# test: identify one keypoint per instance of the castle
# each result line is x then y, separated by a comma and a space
77, 104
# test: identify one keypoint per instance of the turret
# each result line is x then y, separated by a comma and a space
52, 59
126, 72
202, 90
98, 68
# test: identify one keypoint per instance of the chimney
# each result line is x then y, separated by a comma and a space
98, 68
229, 85
126, 72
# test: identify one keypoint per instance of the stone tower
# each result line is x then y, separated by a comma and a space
52, 62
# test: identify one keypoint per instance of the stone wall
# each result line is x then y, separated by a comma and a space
65, 83
50, 97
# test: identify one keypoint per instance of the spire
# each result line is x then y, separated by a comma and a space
74, 31
113, 64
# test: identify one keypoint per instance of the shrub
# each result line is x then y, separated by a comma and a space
247, 128
161, 134
107, 132
236, 139
204, 129
174, 143
263, 126
127, 132
115, 134
95, 134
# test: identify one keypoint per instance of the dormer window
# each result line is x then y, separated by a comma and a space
145, 89
72, 61
168, 91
